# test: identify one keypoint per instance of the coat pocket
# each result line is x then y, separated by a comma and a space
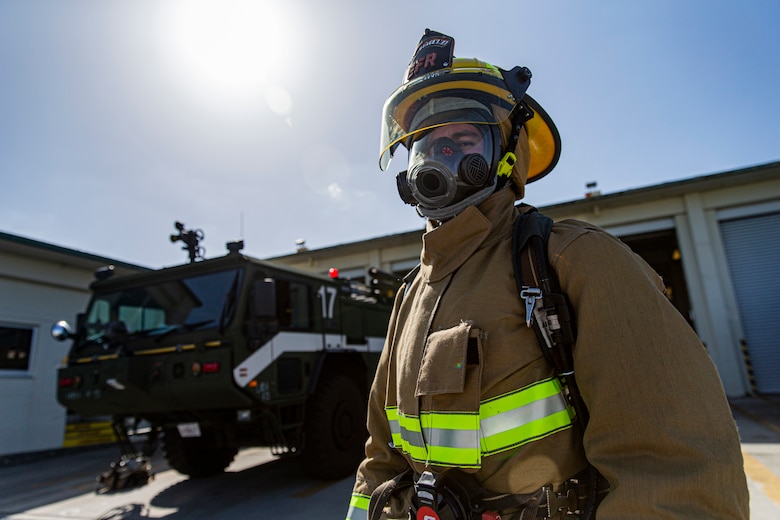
449, 390
451, 361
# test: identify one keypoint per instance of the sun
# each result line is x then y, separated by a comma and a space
229, 54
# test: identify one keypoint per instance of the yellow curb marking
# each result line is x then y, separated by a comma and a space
757, 472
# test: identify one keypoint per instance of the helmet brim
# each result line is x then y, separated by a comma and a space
544, 141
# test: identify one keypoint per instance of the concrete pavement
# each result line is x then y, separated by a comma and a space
259, 485
758, 420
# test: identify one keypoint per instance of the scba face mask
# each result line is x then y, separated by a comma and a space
451, 166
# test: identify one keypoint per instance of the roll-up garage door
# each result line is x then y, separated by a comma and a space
753, 254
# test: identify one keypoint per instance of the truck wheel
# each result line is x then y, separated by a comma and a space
335, 428
196, 456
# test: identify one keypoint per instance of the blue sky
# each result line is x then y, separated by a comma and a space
260, 119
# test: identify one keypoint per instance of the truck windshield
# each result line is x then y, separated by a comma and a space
200, 302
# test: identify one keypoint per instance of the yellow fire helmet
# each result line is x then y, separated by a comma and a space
437, 85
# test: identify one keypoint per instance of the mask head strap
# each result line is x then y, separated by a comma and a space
520, 115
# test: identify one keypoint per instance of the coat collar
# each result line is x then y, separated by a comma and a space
447, 246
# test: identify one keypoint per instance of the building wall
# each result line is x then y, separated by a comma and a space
694, 209
34, 295
37, 288
695, 216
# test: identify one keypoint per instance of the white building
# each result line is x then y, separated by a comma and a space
39, 285
715, 240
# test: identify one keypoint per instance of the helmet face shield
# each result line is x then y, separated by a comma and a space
480, 88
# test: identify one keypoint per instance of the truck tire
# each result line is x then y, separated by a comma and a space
196, 456
335, 428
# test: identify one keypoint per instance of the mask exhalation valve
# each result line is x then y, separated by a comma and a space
474, 170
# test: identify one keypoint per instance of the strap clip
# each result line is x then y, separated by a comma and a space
505, 165
530, 295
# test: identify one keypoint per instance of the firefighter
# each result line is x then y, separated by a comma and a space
466, 416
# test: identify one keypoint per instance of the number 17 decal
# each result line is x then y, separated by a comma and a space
328, 297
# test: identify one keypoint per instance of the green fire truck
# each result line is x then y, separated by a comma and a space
230, 352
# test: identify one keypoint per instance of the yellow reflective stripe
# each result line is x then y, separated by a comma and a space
164, 350
97, 358
455, 457
451, 420
358, 506
502, 423
526, 395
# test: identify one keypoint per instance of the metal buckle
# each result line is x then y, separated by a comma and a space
530, 295
565, 502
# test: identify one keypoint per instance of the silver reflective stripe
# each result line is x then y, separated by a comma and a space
412, 437
525, 414
452, 438
395, 428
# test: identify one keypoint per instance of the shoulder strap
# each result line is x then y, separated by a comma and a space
548, 310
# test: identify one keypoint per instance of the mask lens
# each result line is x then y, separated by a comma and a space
453, 140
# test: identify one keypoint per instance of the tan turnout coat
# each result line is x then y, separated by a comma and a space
660, 427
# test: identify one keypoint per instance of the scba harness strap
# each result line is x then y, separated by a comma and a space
547, 309
549, 312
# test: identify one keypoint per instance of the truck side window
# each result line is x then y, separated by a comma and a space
293, 305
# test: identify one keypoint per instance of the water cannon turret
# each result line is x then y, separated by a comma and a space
191, 239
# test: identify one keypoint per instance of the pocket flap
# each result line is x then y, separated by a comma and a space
447, 354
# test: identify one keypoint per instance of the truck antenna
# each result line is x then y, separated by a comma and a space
191, 239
